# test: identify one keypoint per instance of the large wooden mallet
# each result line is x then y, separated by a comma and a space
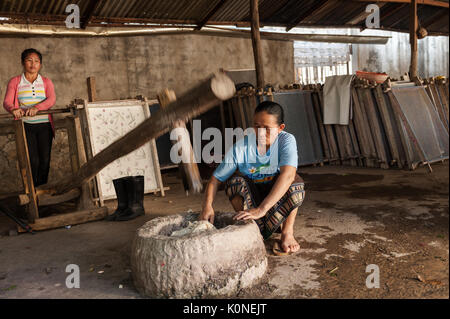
194, 102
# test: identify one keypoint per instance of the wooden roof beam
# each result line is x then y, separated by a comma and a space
92, 7
438, 20
434, 18
210, 14
386, 15
423, 2
319, 5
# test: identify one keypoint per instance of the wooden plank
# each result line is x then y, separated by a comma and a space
249, 111
25, 170
388, 126
360, 124
349, 145
399, 113
73, 148
118, 103
87, 189
334, 152
351, 150
67, 219
319, 121
313, 128
77, 158
86, 142
404, 138
436, 99
341, 145
367, 131
355, 143
444, 99
155, 158
46, 199
241, 112
446, 89
229, 107
222, 118
157, 169
253, 103
89, 153
92, 90
375, 128
54, 111
236, 112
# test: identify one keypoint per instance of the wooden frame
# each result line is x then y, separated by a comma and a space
89, 138
35, 197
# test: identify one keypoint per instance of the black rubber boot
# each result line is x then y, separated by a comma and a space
122, 198
135, 191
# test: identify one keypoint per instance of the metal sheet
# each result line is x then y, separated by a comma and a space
424, 121
299, 120
287, 13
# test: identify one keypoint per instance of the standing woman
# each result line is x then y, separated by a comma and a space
26, 95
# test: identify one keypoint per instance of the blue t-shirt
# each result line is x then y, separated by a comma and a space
244, 156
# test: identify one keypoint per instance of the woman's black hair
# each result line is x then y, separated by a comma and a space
27, 52
272, 108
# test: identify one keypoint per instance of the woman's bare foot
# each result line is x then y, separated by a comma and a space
289, 244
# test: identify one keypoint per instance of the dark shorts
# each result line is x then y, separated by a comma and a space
254, 193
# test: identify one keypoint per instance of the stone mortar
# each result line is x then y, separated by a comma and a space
212, 263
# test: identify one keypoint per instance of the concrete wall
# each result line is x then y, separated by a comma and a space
125, 67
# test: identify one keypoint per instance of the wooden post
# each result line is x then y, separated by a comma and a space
155, 158
413, 26
256, 42
198, 100
25, 170
78, 158
92, 92
188, 167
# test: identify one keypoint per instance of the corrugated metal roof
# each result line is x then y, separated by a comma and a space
288, 13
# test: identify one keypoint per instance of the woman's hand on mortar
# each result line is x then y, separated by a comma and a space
253, 213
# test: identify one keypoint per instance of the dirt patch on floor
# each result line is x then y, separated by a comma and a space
326, 182
391, 192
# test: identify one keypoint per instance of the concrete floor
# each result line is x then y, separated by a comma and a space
351, 218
